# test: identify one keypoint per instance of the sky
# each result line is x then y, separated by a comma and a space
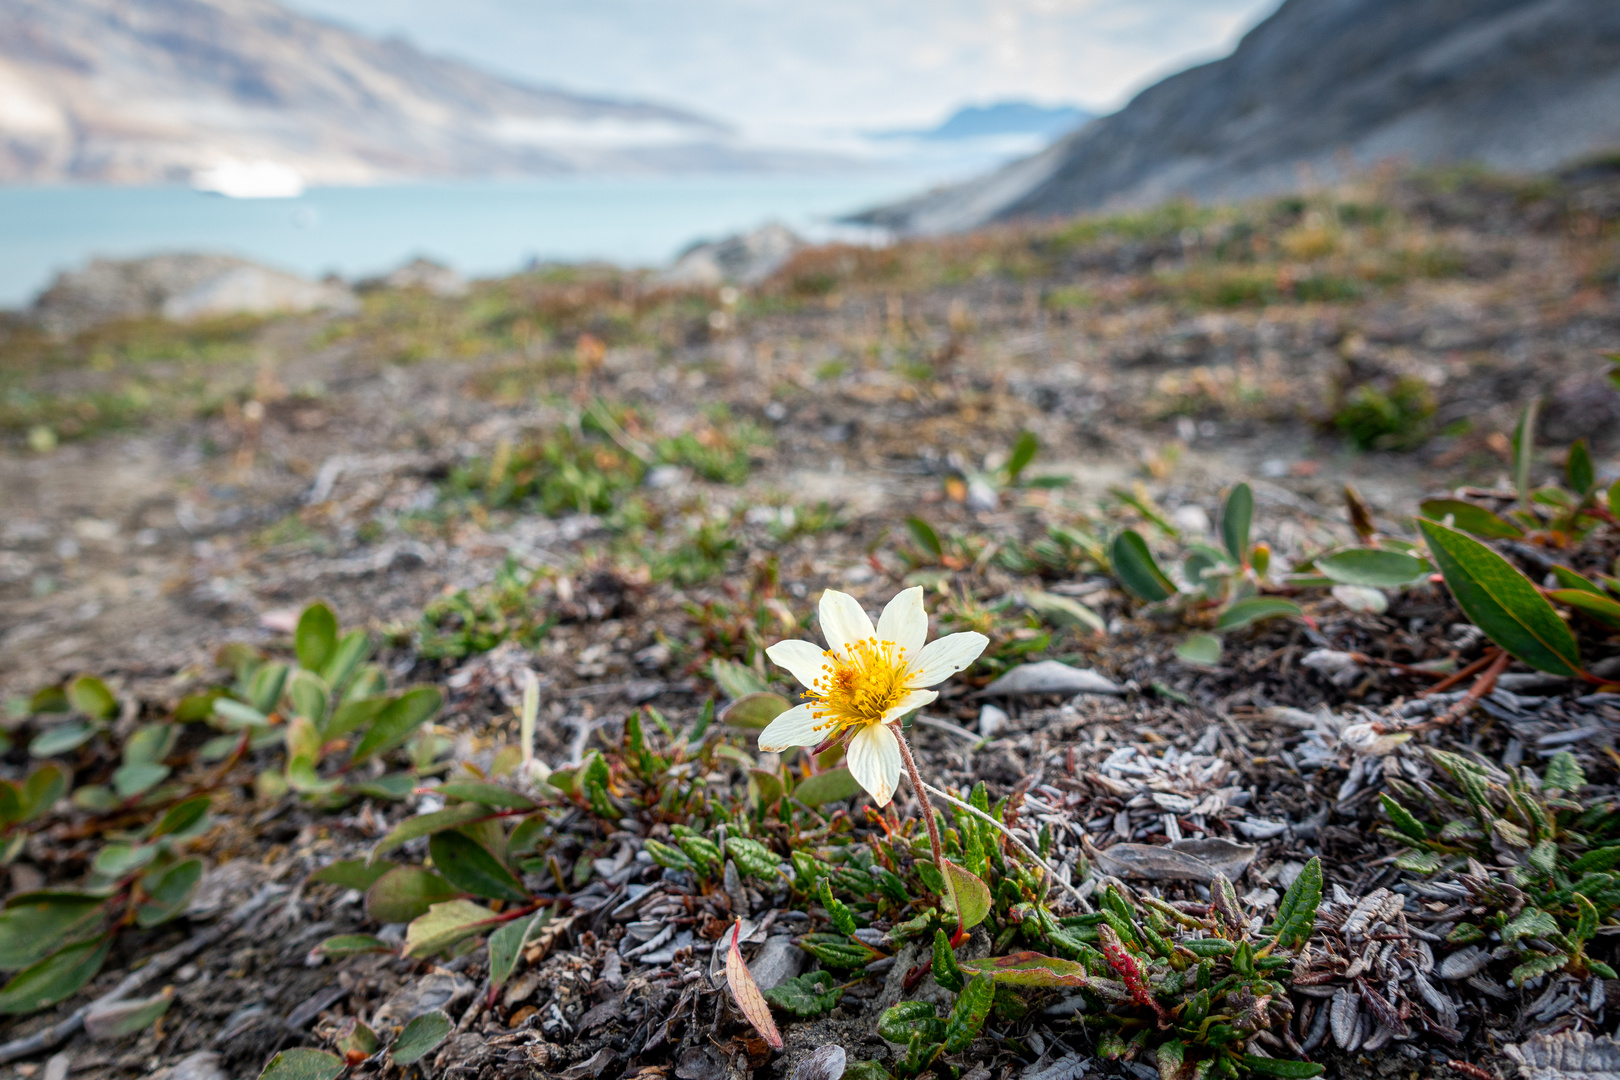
790, 70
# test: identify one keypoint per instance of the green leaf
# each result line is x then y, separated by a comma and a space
117, 859
235, 715
315, 637
1524, 448
468, 865
834, 785
1296, 914
670, 858
32, 925
1403, 819
1265, 1066
405, 893
55, 978
1137, 570
352, 874
444, 925
1374, 568
265, 688
753, 858
1235, 520
1027, 969
946, 971
1023, 452
1060, 611
1537, 966
506, 945
41, 791
926, 537
91, 696
1531, 922
167, 891
353, 715
836, 950
968, 1015
1564, 773
397, 720
451, 817
353, 945
1502, 602
485, 794
967, 896
1253, 610
1470, 518
60, 738
1578, 469
1171, 1054
125, 1017
806, 995
754, 711
1586, 920
420, 1037
138, 776
181, 818
1598, 606
1201, 650
393, 787
1569, 579
735, 680
302, 1063
349, 653
900, 1022
309, 695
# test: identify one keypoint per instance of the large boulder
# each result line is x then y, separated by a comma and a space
744, 260
181, 287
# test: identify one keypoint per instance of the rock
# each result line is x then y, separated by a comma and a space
428, 276
202, 1065
178, 287
1050, 677
777, 961
991, 720
826, 1063
745, 259
1326, 88
227, 885
438, 989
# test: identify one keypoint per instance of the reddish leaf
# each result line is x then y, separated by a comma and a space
746, 991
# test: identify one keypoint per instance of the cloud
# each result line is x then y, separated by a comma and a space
783, 68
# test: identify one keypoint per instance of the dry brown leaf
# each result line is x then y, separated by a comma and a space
746, 991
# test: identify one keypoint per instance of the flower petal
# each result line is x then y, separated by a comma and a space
793, 728
874, 761
904, 622
843, 621
802, 659
911, 699
944, 657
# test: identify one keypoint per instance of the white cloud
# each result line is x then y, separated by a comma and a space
774, 67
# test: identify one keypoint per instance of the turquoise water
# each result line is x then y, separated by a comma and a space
482, 228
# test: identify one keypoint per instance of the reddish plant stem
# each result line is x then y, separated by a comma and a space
1458, 676
922, 798
1482, 686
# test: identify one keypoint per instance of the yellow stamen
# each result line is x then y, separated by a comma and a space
858, 687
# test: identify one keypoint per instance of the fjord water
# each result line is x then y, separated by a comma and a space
479, 228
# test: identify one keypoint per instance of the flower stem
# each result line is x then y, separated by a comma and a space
922, 797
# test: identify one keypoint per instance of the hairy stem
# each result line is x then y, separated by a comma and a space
921, 789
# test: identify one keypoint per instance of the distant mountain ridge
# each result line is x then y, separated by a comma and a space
1320, 89
146, 91
1000, 118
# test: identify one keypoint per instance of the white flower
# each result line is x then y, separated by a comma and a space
866, 680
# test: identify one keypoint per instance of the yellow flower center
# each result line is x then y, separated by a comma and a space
859, 686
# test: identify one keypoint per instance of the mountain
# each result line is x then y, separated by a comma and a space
148, 91
1001, 118
1320, 89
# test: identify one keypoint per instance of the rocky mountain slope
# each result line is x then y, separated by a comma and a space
143, 91
1322, 88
